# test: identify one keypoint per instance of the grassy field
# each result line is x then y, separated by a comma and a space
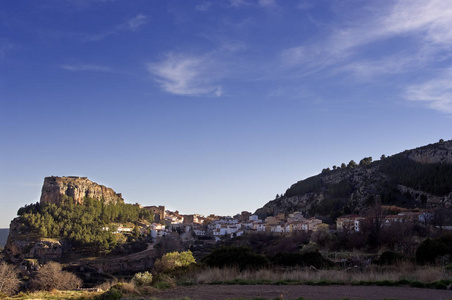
403, 275
74, 295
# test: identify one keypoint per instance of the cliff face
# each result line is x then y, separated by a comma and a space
353, 188
76, 188
437, 153
21, 245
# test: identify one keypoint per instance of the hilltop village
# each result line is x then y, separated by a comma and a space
225, 227
221, 227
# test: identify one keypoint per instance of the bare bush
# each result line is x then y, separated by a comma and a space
107, 285
128, 288
9, 279
51, 276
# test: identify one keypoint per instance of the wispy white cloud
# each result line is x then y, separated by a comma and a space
305, 5
432, 18
428, 23
203, 6
392, 64
238, 3
435, 93
130, 25
134, 23
267, 3
295, 55
419, 30
82, 67
253, 3
182, 74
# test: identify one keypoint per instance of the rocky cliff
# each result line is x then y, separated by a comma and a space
23, 245
77, 188
420, 177
434, 153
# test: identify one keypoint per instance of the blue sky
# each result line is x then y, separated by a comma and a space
214, 106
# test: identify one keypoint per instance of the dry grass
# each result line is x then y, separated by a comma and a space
347, 276
129, 288
55, 294
106, 285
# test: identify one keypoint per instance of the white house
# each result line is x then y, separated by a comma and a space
220, 232
259, 227
310, 224
124, 229
238, 233
277, 228
199, 232
254, 218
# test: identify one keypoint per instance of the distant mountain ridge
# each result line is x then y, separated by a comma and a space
420, 177
3, 236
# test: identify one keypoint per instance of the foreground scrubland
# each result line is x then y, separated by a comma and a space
177, 274
195, 281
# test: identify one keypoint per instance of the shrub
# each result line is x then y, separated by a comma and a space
305, 259
429, 250
310, 247
417, 284
51, 276
9, 279
142, 279
173, 260
440, 285
164, 281
389, 258
112, 294
240, 257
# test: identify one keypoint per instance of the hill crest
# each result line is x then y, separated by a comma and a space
421, 177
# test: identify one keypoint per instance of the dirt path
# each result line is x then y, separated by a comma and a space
149, 251
217, 292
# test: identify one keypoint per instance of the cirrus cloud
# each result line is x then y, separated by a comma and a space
427, 23
130, 25
190, 75
85, 67
435, 93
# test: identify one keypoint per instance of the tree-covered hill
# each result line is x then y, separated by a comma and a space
86, 227
421, 177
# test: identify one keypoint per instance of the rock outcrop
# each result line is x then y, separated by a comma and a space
359, 185
21, 245
77, 188
437, 153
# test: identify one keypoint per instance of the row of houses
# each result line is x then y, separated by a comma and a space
357, 223
219, 227
273, 224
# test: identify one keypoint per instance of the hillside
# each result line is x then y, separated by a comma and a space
74, 215
420, 177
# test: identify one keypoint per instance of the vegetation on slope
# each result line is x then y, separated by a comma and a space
83, 225
387, 175
435, 179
